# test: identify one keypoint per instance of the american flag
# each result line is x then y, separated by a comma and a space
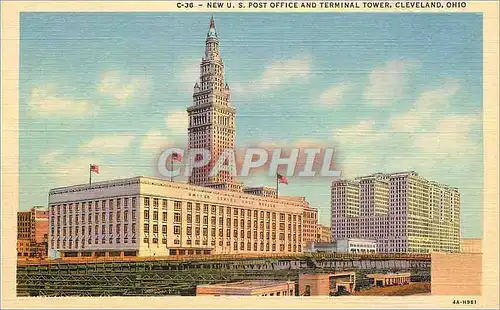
177, 157
94, 168
282, 179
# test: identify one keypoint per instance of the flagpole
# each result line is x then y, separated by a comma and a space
277, 186
90, 174
171, 166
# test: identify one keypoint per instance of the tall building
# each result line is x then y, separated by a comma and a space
212, 119
32, 232
211, 214
403, 212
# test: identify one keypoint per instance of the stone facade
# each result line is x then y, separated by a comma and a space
152, 217
403, 212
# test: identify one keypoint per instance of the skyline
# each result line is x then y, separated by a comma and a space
94, 83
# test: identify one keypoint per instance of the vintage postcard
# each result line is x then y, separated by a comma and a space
192, 154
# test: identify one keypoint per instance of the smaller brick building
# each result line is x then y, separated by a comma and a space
32, 232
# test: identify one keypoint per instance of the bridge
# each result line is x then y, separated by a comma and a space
175, 275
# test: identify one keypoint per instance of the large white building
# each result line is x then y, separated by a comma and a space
152, 217
403, 212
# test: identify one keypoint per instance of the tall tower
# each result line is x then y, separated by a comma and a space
211, 117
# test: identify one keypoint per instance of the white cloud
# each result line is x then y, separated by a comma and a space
451, 137
46, 101
50, 157
425, 139
153, 142
284, 71
436, 99
189, 75
121, 87
360, 134
177, 121
276, 75
66, 171
408, 122
334, 94
386, 83
426, 107
111, 144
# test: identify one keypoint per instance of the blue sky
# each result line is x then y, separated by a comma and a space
391, 92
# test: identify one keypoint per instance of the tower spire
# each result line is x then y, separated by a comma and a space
212, 23
212, 33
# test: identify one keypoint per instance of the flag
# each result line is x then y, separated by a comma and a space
177, 157
282, 179
94, 168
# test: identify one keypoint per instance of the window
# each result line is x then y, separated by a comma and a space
177, 217
189, 206
133, 206
164, 204
189, 230
125, 202
155, 215
146, 201
155, 228
133, 215
125, 229
155, 203
177, 205
177, 230
146, 227
146, 214
133, 229
164, 217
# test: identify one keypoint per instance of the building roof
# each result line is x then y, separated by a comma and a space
246, 285
388, 275
201, 191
